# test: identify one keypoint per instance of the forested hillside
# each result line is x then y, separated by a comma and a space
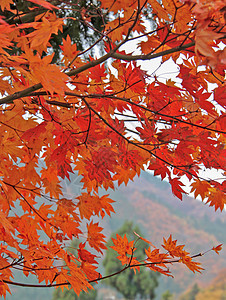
149, 203
215, 290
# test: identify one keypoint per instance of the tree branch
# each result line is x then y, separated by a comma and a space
126, 57
99, 278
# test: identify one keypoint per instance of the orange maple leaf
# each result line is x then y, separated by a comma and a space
217, 248
49, 75
192, 265
94, 205
174, 249
204, 45
5, 4
176, 187
124, 248
6, 225
90, 271
217, 198
143, 239
121, 245
200, 187
77, 279
85, 255
49, 25
95, 238
44, 4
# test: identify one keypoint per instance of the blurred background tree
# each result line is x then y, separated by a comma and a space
167, 296
130, 285
84, 22
70, 295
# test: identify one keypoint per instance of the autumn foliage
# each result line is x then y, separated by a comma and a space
106, 118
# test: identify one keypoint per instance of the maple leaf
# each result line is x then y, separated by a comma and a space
217, 199
50, 76
34, 133
85, 255
95, 238
147, 46
134, 78
100, 116
102, 164
4, 287
176, 187
200, 188
99, 73
64, 168
90, 271
124, 176
102, 205
78, 280
5, 4
217, 248
159, 168
114, 6
159, 10
43, 30
123, 247
6, 224
51, 182
172, 247
44, 4
192, 265
204, 45
143, 239
86, 205
130, 159
89, 205
154, 256
69, 49
219, 95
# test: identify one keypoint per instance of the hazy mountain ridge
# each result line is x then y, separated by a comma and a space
149, 203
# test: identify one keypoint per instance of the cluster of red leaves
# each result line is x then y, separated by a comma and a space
155, 260
105, 122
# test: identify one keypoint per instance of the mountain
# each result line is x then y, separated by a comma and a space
149, 203
216, 290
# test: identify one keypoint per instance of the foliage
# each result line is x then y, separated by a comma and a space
75, 14
128, 283
167, 296
68, 294
108, 119
192, 293
159, 215
215, 290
